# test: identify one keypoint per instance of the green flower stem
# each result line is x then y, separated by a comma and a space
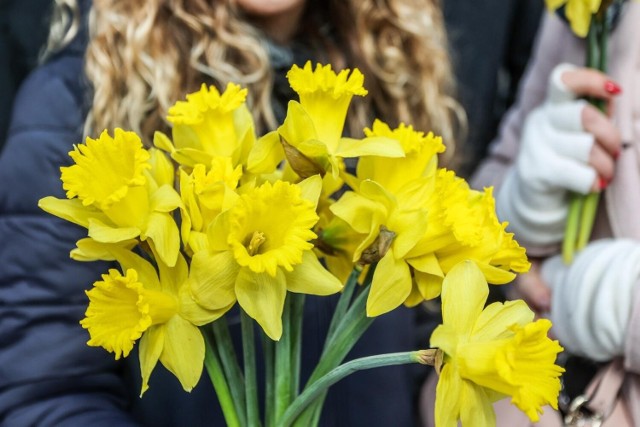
283, 363
214, 369
230, 365
344, 301
322, 384
296, 317
582, 209
268, 348
353, 325
250, 379
571, 230
587, 218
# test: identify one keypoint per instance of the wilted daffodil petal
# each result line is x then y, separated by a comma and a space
490, 353
578, 13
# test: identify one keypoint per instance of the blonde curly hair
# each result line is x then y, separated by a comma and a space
146, 54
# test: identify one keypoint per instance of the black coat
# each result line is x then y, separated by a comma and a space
48, 375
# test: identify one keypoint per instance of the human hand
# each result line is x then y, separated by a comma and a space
566, 145
574, 134
531, 288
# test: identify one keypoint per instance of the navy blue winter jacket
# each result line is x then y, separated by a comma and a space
48, 374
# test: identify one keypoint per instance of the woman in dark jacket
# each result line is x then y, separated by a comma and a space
141, 58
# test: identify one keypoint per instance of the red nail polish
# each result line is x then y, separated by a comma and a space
612, 87
616, 154
602, 183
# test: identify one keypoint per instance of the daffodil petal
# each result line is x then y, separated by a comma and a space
165, 199
310, 277
390, 287
579, 15
298, 125
183, 352
217, 233
212, 279
163, 142
71, 210
477, 409
101, 232
414, 297
88, 249
445, 338
464, 292
359, 212
429, 285
163, 231
147, 274
427, 263
409, 228
191, 157
372, 146
185, 136
496, 318
496, 275
172, 278
266, 154
448, 397
151, 345
311, 188
162, 169
194, 312
262, 297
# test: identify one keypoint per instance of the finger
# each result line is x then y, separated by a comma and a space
603, 129
590, 82
604, 165
574, 175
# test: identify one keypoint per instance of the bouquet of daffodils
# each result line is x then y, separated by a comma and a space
215, 216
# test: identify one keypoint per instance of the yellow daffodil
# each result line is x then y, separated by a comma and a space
157, 309
112, 192
204, 196
259, 249
393, 173
312, 131
210, 124
391, 224
490, 354
496, 252
578, 12
462, 225
336, 244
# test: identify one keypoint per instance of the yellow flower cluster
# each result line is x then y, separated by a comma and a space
578, 12
257, 213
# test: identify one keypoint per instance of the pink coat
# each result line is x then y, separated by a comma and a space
619, 215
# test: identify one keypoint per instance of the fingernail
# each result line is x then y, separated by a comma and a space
602, 183
612, 87
616, 154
